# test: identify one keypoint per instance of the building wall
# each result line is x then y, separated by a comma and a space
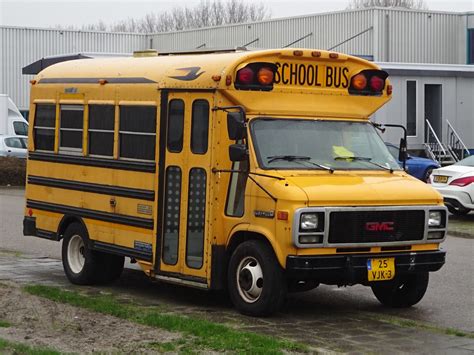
457, 107
22, 46
327, 30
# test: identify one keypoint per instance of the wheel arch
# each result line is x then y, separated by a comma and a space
66, 221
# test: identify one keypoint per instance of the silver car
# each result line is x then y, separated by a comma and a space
14, 146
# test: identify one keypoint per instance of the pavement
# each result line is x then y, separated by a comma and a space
323, 329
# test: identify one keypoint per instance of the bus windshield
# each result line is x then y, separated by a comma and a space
319, 144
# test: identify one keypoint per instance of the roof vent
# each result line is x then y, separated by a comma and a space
146, 53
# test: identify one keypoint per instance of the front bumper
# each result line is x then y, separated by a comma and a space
347, 269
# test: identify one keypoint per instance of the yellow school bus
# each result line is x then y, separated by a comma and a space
258, 172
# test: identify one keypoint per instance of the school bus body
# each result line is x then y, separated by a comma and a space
125, 205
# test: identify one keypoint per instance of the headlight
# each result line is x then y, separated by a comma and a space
434, 219
309, 221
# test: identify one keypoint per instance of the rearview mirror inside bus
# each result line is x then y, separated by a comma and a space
238, 152
236, 125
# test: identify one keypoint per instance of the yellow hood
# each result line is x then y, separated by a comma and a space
364, 188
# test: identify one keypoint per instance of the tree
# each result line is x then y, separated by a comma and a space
405, 4
207, 13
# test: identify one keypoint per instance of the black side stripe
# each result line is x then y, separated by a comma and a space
148, 167
145, 223
90, 187
132, 80
120, 250
41, 233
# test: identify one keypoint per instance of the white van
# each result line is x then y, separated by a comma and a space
11, 120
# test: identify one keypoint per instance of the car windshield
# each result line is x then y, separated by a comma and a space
469, 161
319, 144
16, 142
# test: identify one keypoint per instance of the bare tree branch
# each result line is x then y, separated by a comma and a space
406, 4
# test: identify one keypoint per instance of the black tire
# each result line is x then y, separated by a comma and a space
459, 211
404, 291
427, 174
81, 265
111, 267
256, 282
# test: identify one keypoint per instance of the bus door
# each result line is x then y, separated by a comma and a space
186, 181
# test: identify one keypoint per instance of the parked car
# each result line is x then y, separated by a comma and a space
456, 184
420, 168
13, 146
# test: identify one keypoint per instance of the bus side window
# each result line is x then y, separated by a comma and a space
101, 130
236, 192
137, 132
70, 128
44, 127
196, 217
172, 214
200, 127
175, 126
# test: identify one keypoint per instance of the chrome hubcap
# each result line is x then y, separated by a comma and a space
249, 279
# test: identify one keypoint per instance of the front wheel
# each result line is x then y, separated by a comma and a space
403, 291
255, 279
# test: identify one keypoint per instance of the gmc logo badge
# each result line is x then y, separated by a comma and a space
379, 226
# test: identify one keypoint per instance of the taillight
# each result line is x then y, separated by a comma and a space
245, 76
368, 82
462, 181
256, 76
377, 83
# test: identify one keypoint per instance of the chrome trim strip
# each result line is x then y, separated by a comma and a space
328, 210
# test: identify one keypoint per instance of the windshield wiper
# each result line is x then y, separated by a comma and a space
272, 158
298, 158
364, 159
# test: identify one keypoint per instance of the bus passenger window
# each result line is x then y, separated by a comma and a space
171, 221
175, 126
70, 127
137, 132
44, 127
196, 217
200, 127
101, 130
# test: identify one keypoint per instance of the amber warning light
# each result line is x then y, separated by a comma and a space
256, 76
369, 83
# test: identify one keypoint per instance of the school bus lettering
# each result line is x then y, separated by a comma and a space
229, 183
312, 75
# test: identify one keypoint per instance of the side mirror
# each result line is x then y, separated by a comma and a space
236, 128
402, 153
238, 152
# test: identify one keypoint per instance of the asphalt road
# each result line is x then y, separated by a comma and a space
449, 301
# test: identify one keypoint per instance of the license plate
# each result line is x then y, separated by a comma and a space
381, 269
441, 179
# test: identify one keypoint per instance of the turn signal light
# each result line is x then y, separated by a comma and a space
376, 83
359, 82
462, 181
265, 76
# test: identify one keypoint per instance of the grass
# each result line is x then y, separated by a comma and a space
408, 323
205, 335
4, 324
16, 348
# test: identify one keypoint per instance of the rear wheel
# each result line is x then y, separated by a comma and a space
404, 291
255, 279
84, 266
81, 264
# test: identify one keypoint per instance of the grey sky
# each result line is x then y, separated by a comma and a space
43, 13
